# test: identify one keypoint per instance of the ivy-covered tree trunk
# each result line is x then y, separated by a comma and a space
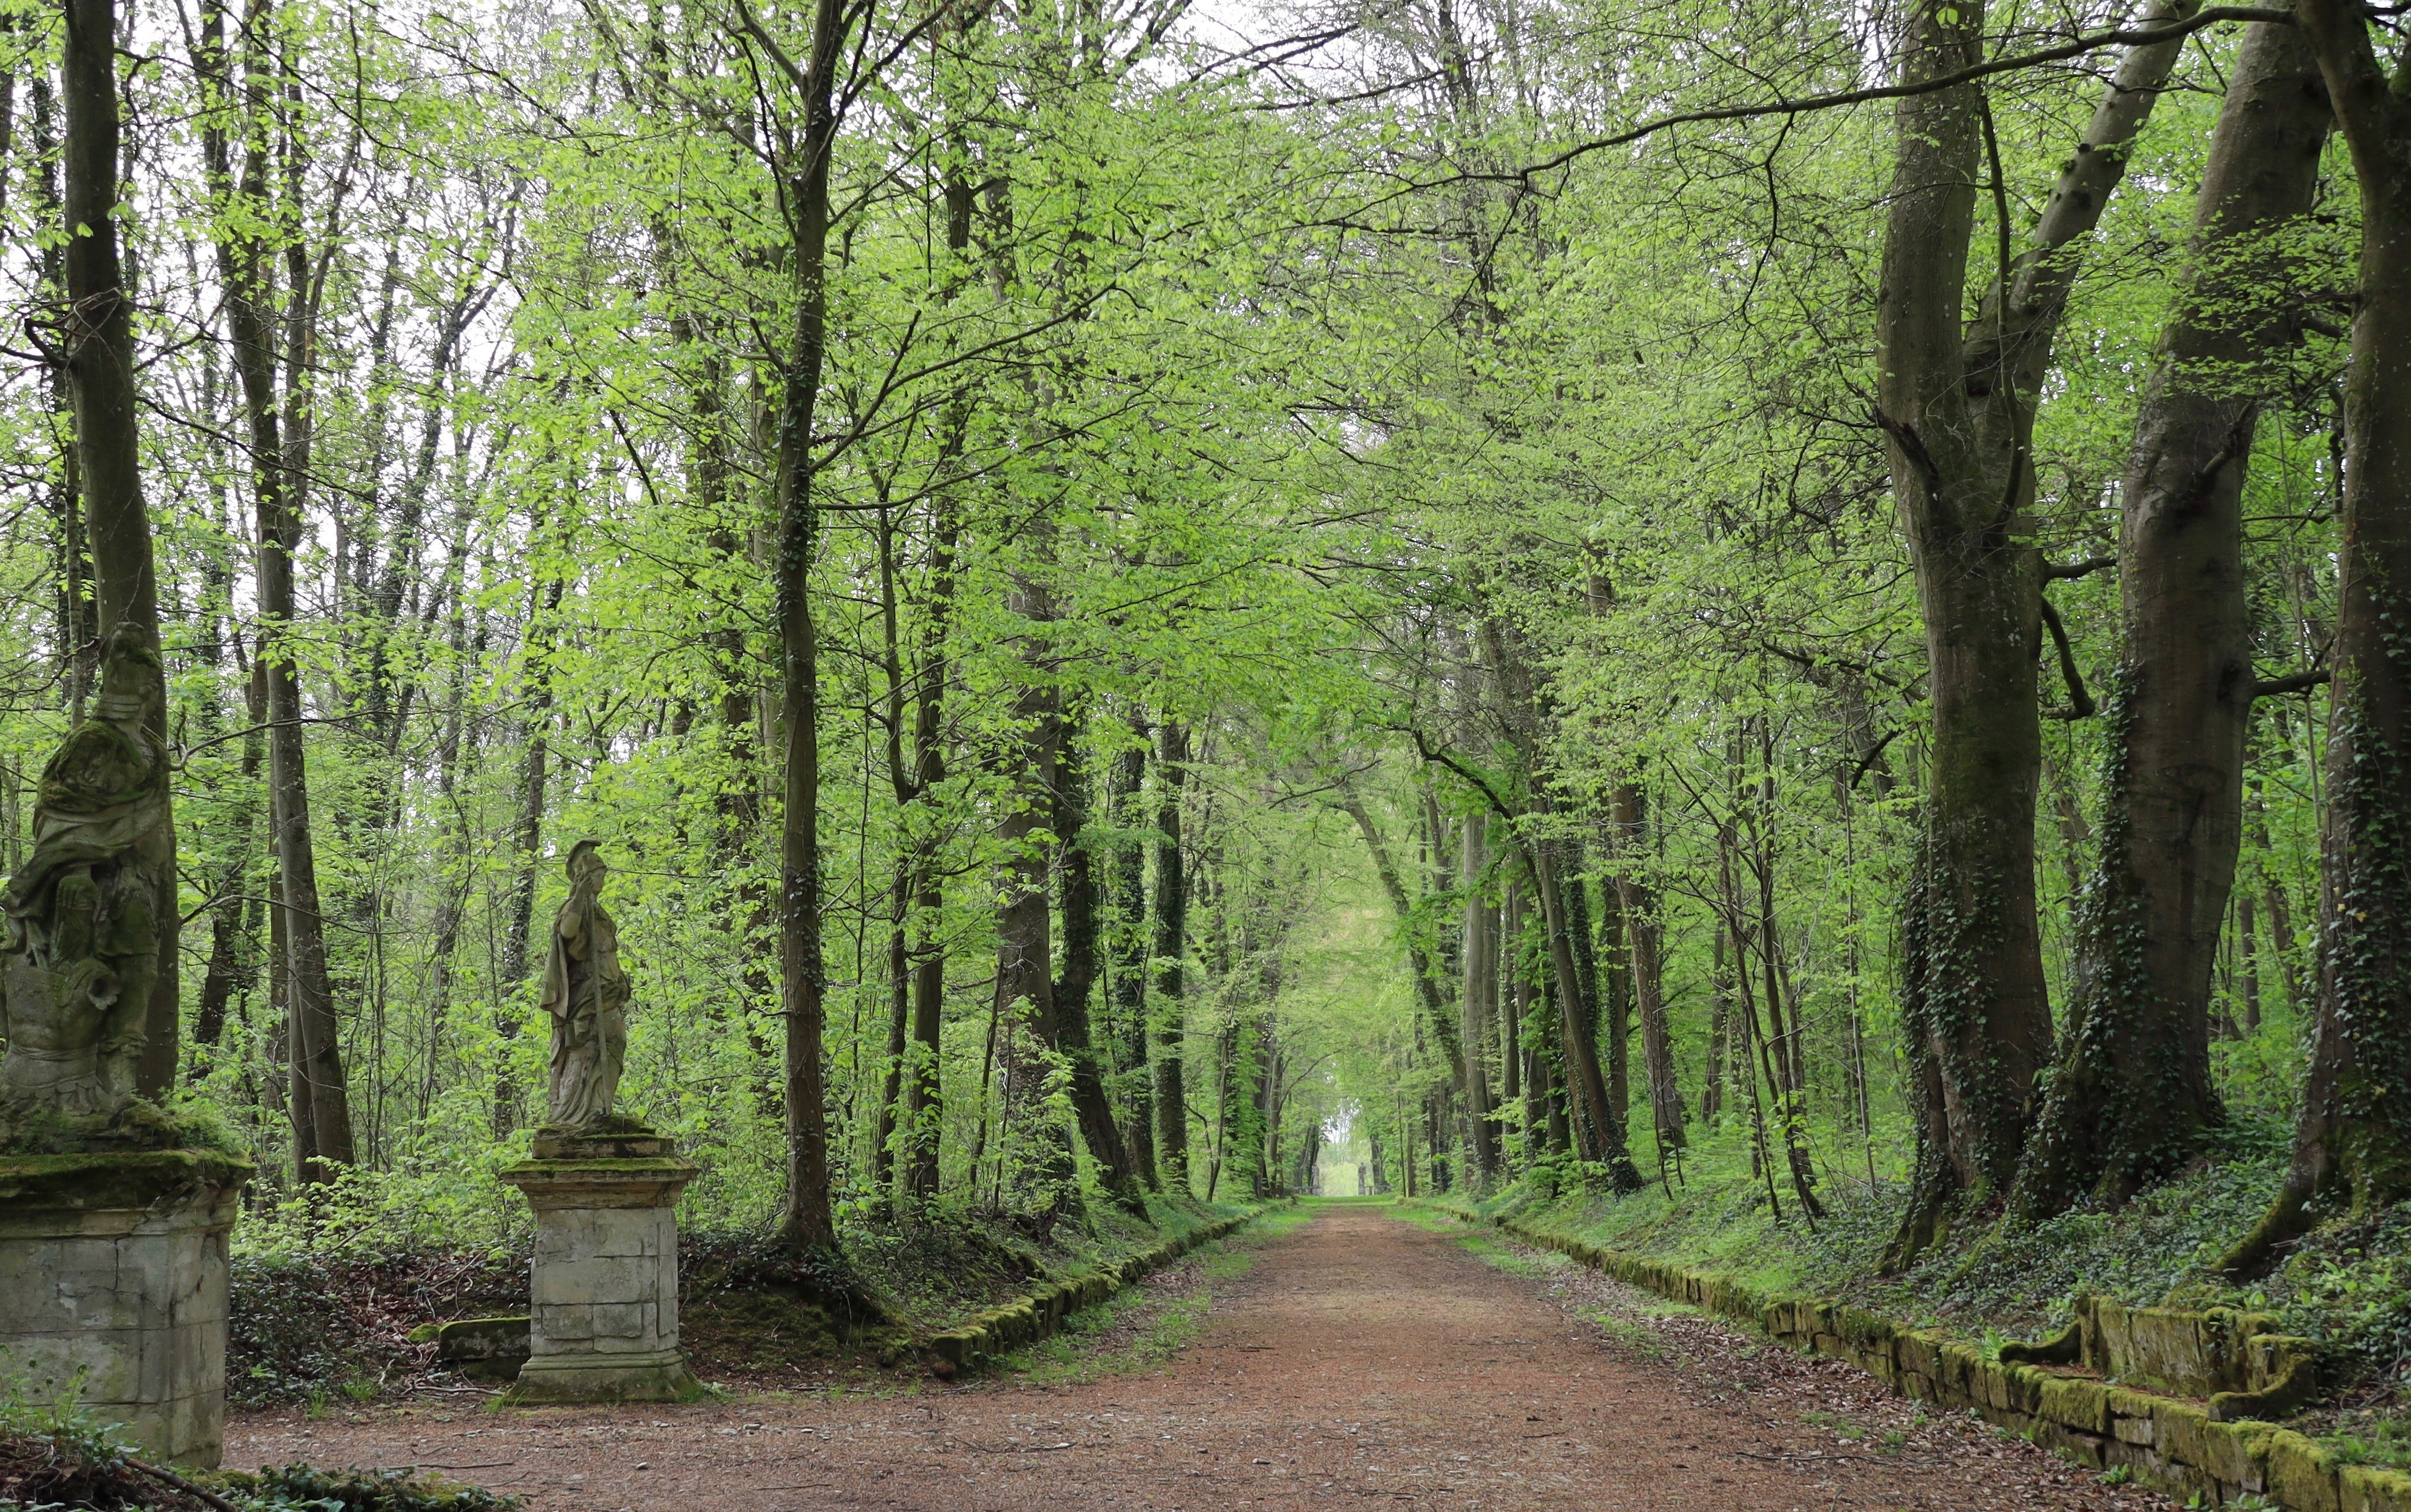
2352, 1144
2132, 1093
1956, 402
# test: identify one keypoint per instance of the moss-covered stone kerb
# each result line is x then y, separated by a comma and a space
1029, 1319
2166, 1438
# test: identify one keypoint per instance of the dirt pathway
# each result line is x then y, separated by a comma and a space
1361, 1358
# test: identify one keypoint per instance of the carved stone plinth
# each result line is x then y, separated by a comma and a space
114, 1287
605, 1323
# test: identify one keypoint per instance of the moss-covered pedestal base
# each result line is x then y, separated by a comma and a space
113, 1288
604, 1325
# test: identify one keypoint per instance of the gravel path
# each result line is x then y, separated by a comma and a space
1361, 1359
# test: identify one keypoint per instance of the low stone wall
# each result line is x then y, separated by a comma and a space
1028, 1319
2175, 1443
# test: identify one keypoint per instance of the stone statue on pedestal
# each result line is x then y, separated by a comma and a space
586, 995
603, 1322
81, 945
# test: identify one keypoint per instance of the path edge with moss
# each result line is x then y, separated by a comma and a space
1028, 1319
2168, 1442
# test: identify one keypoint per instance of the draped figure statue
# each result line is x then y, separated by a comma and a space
586, 995
81, 946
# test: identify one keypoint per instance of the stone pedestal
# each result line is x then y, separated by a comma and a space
113, 1288
604, 1324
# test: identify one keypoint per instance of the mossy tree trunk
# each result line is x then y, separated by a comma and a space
1956, 402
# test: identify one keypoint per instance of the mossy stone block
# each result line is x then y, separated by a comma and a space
1960, 1364
2301, 1474
2181, 1429
1920, 1354
2370, 1489
2074, 1402
2237, 1454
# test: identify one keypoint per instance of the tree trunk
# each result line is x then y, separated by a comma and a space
1128, 965
807, 1222
2352, 1144
1505, 929
1612, 991
1071, 1037
319, 1093
1171, 950
1719, 1028
100, 340
1602, 1137
527, 842
924, 1083
1481, 997
1956, 404
900, 1022
232, 947
2132, 1096
1628, 814
1426, 971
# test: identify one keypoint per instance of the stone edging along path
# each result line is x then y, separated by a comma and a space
1028, 1319
2169, 1443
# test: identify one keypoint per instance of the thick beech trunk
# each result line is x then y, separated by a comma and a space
2132, 1096
2352, 1145
1601, 1136
1956, 402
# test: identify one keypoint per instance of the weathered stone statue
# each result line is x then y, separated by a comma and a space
602, 1285
586, 993
112, 1249
81, 946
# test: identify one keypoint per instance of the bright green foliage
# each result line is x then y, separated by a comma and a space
1398, 475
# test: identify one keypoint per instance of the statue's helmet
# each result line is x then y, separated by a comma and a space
586, 860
